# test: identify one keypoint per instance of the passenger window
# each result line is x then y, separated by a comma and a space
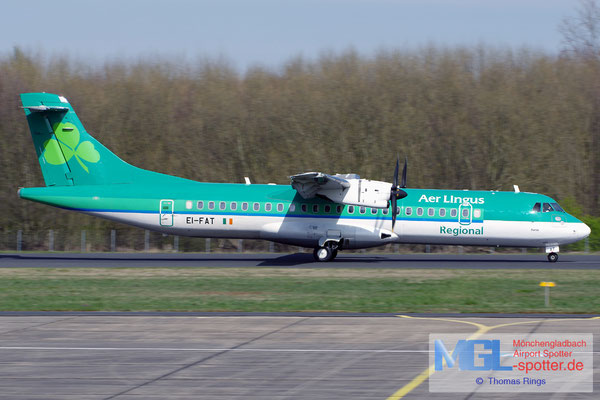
363, 210
408, 210
350, 209
338, 209
315, 208
453, 212
244, 206
465, 213
256, 207
279, 207
398, 210
304, 208
537, 207
233, 205
442, 212
211, 205
292, 207
327, 208
200, 205
430, 212
188, 204
547, 207
373, 211
476, 213
222, 205
268, 207
420, 211
386, 211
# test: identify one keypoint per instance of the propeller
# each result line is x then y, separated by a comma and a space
396, 191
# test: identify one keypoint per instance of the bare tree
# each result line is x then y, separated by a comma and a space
581, 35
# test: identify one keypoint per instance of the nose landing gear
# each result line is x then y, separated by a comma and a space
552, 253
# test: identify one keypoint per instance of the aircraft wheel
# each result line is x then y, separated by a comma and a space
552, 257
323, 254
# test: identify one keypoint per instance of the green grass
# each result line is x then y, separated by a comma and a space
290, 289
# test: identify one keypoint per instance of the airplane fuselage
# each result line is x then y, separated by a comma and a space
278, 213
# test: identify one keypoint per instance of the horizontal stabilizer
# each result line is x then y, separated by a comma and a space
36, 109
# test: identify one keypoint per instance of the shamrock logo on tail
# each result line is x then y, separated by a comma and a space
69, 146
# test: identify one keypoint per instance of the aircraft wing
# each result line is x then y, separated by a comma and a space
342, 188
309, 184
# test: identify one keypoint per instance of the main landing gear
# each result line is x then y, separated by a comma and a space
325, 253
552, 257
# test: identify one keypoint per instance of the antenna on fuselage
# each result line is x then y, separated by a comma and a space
247, 180
517, 190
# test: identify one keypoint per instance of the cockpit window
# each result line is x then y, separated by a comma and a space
557, 207
537, 207
547, 207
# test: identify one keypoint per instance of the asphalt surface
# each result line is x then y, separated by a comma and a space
298, 260
140, 356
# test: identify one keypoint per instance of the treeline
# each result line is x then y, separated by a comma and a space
472, 118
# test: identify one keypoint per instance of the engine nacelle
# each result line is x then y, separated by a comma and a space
362, 192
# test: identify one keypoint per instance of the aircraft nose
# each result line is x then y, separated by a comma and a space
585, 231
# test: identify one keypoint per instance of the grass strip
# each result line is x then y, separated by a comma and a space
294, 289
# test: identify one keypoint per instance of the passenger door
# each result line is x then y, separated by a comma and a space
166, 212
465, 214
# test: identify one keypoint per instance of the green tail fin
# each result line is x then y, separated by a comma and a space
69, 155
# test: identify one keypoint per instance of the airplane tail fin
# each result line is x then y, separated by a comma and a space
67, 153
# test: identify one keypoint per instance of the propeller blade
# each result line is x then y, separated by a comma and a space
396, 192
396, 172
394, 201
403, 185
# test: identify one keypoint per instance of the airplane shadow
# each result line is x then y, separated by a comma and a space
391, 261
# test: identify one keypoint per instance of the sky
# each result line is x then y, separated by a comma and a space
270, 32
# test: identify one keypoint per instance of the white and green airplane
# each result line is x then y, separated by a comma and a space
325, 212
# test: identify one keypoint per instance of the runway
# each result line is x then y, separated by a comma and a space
63, 356
297, 260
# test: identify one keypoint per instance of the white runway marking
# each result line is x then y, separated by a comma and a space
212, 349
225, 349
